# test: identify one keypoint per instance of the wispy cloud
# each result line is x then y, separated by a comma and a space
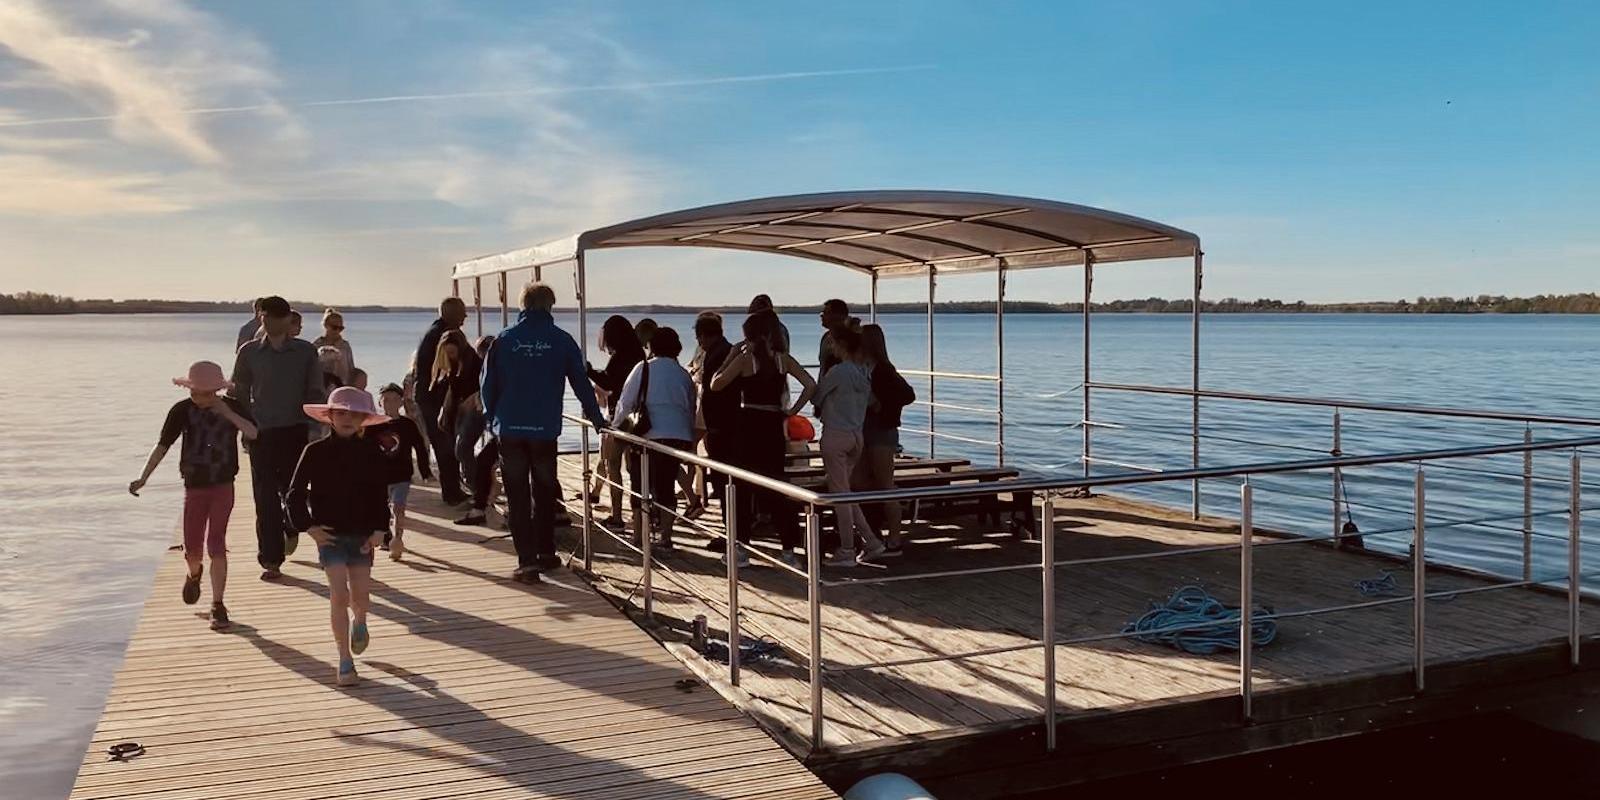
164, 60
500, 93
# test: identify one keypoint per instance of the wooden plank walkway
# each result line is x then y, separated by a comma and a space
940, 616
473, 686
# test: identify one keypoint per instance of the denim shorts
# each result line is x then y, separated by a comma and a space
345, 551
399, 492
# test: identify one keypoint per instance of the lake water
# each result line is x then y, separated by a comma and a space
86, 397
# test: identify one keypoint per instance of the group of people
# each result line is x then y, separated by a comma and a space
326, 461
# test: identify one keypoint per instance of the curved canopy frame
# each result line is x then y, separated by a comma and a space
882, 233
894, 233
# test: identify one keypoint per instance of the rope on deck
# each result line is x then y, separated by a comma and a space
1193, 621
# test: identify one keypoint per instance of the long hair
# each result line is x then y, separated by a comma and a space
759, 332
874, 346
617, 335
443, 364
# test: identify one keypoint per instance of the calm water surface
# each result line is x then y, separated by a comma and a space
87, 396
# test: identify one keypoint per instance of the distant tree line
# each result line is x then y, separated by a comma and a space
1584, 303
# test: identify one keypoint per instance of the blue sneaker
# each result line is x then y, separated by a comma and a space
347, 672
359, 638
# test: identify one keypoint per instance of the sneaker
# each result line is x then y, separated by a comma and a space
792, 560
359, 638
615, 523
718, 544
843, 558
873, 553
347, 673
740, 559
191, 587
397, 549
291, 542
892, 551
473, 517
528, 575
663, 550
271, 574
546, 563
695, 511
219, 617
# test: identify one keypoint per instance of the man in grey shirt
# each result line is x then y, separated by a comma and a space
273, 377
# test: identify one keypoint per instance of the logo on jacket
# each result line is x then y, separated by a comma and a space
531, 348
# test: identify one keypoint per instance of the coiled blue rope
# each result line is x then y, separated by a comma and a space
1193, 621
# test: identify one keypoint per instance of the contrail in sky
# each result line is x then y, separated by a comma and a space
547, 90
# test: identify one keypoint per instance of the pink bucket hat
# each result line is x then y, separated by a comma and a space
346, 398
204, 376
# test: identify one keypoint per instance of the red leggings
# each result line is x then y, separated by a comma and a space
205, 519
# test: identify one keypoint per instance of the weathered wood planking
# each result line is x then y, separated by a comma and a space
473, 686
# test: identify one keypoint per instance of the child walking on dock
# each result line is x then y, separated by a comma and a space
209, 426
339, 496
399, 438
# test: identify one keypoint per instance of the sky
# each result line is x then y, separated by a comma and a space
350, 152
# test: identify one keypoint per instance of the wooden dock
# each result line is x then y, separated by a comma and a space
473, 686
973, 727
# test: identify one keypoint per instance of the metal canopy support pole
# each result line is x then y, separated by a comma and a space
588, 505
1574, 555
505, 307
455, 287
477, 300
583, 302
1194, 381
730, 508
814, 600
1527, 505
1338, 476
1246, 598
932, 427
1419, 581
1000, 362
1088, 299
873, 300
1047, 568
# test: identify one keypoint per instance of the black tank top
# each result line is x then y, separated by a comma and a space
765, 388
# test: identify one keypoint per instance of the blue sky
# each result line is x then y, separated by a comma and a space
1322, 151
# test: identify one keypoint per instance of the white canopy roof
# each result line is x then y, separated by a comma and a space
886, 233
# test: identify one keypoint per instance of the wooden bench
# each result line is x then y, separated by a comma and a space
795, 473
988, 507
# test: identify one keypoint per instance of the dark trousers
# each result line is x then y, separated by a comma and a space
663, 483
483, 476
444, 451
469, 429
273, 458
528, 468
721, 445
761, 448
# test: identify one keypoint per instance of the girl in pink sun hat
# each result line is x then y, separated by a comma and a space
209, 426
339, 495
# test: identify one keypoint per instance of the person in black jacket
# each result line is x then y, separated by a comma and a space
881, 436
452, 315
339, 497
618, 338
398, 439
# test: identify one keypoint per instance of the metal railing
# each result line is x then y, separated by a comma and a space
1048, 489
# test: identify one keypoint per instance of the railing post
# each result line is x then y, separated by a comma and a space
1194, 381
1000, 363
814, 600
1527, 505
642, 524
1088, 363
1246, 599
1047, 570
505, 307
1338, 477
1574, 555
477, 300
588, 504
932, 426
730, 516
1419, 581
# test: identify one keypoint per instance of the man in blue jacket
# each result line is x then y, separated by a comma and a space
522, 400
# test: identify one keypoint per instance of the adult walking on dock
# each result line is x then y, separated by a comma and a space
522, 399
333, 336
430, 399
273, 378
249, 330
